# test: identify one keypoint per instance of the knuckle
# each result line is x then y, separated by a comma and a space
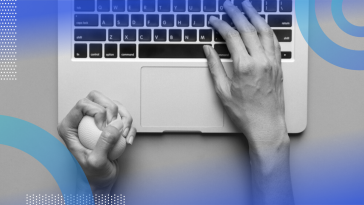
82, 102
232, 34
267, 31
249, 29
93, 93
114, 108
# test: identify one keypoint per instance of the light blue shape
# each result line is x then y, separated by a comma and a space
342, 22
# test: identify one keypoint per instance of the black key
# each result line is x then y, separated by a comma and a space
107, 20
103, 5
283, 35
280, 20
129, 35
209, 5
262, 15
205, 35
257, 4
198, 20
95, 50
286, 55
190, 35
160, 35
118, 5
222, 50
208, 18
238, 3
270, 5
122, 20
152, 20
114, 35
86, 20
183, 20
171, 51
128, 51
167, 20
221, 6
80, 50
134, 5
111, 50
285, 5
84, 5
179, 5
148, 5
137, 20
194, 5
228, 20
218, 37
164, 5
145, 35
90, 34
175, 35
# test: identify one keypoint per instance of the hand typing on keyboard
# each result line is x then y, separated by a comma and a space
99, 170
254, 100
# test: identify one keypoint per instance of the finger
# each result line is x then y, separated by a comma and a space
109, 105
131, 136
263, 29
232, 38
109, 136
126, 118
277, 48
246, 29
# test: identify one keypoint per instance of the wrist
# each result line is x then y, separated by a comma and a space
83, 187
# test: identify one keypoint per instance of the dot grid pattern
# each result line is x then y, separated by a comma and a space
8, 40
74, 199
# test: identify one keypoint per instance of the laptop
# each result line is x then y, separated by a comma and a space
148, 55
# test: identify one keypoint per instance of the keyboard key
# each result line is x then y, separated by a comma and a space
164, 5
145, 35
198, 20
111, 50
257, 4
127, 51
228, 20
285, 5
129, 35
148, 5
179, 5
221, 6
107, 20
270, 5
137, 20
134, 5
238, 3
80, 50
122, 20
118, 5
208, 18
90, 34
95, 50
190, 35
283, 35
205, 35
171, 51
103, 5
152, 20
114, 35
194, 5
280, 20
222, 50
160, 35
286, 55
175, 35
183, 20
167, 20
86, 20
209, 5
84, 5
218, 37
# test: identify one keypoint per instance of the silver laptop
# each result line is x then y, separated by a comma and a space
148, 55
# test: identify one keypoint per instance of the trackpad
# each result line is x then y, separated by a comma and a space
179, 97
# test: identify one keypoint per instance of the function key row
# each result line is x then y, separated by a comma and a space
177, 5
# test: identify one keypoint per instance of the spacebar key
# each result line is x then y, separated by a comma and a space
171, 51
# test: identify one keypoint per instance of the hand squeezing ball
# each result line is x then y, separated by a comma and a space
89, 134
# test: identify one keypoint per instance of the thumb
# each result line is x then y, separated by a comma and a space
109, 137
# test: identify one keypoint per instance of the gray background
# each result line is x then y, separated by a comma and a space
326, 160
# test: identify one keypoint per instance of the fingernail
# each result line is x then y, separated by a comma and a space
206, 49
130, 140
125, 132
212, 18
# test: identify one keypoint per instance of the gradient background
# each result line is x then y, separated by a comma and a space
327, 160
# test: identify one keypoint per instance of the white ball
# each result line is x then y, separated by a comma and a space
89, 134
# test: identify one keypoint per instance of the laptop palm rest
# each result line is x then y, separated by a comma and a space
179, 97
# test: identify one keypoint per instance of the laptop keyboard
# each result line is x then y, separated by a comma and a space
165, 28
